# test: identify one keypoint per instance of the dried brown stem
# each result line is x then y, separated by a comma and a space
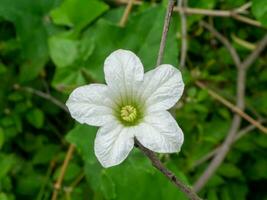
170, 175
220, 13
183, 4
254, 55
126, 13
233, 107
58, 183
165, 31
236, 122
235, 13
224, 149
224, 41
44, 96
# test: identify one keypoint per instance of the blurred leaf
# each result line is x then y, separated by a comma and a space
45, 154
143, 42
229, 170
29, 184
78, 13
116, 180
6, 164
35, 117
3, 196
2, 137
259, 10
29, 18
63, 51
108, 186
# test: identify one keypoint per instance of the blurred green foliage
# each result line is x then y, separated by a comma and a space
56, 45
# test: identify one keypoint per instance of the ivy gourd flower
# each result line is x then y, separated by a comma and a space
132, 104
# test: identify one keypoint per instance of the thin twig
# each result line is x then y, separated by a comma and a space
254, 55
246, 20
58, 183
235, 13
219, 13
46, 180
69, 189
165, 31
231, 106
236, 122
224, 41
44, 96
243, 8
126, 13
136, 2
170, 175
183, 4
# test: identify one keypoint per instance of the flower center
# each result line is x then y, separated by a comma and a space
128, 113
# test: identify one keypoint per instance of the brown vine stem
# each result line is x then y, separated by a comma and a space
126, 13
183, 4
224, 41
235, 13
232, 107
165, 31
58, 183
150, 154
170, 175
71, 147
236, 122
44, 96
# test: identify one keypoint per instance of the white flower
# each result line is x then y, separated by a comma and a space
132, 104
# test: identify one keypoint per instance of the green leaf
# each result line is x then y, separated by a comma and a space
2, 137
3, 196
114, 182
6, 164
45, 154
145, 43
78, 13
63, 51
108, 186
2, 68
259, 10
229, 170
29, 18
35, 117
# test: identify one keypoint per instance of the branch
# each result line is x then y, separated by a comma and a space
183, 4
158, 165
220, 13
58, 183
236, 122
231, 106
257, 51
235, 13
224, 41
165, 31
44, 96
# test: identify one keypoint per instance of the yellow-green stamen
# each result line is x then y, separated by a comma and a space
128, 113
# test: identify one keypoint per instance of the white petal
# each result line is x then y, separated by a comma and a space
162, 87
91, 104
123, 72
113, 143
160, 133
